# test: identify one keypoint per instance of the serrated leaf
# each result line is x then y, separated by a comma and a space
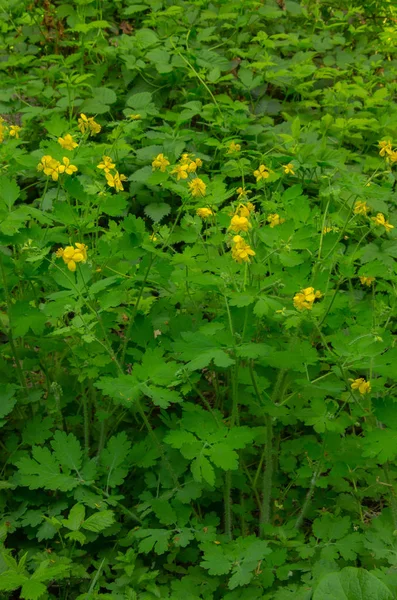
351, 584
75, 518
202, 470
43, 471
224, 457
153, 539
99, 521
32, 590
9, 191
114, 456
157, 211
10, 580
67, 450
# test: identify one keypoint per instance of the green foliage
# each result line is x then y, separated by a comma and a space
186, 413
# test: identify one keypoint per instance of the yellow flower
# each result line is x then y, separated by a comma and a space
367, 280
2, 130
233, 147
204, 213
238, 224
106, 164
153, 237
241, 251
242, 193
245, 210
393, 156
274, 220
305, 298
134, 117
88, 124
67, 142
67, 168
50, 167
185, 158
289, 169
71, 256
361, 208
261, 172
160, 162
192, 166
181, 171
329, 229
380, 220
385, 147
197, 187
364, 387
116, 181
14, 131
198, 162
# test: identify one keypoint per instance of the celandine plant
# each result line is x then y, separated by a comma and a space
197, 262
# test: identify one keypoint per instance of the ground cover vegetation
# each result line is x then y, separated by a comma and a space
198, 300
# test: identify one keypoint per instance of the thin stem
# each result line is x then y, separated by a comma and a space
308, 498
227, 501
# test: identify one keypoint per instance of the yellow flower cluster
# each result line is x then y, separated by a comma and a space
275, 219
233, 148
52, 167
387, 151
161, 162
187, 164
367, 280
329, 229
73, 255
88, 124
67, 142
204, 213
197, 187
13, 130
113, 180
380, 220
360, 384
304, 299
241, 251
262, 172
289, 169
361, 208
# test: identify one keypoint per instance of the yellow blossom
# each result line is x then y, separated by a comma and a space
134, 117
361, 208
393, 156
274, 220
199, 162
242, 193
67, 142
289, 169
305, 298
204, 213
73, 255
88, 124
67, 167
107, 164
115, 181
197, 187
153, 237
192, 166
241, 251
367, 280
160, 162
181, 171
233, 147
385, 147
50, 167
238, 224
2, 130
14, 131
360, 384
329, 229
380, 220
261, 172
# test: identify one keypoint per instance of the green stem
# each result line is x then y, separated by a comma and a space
393, 499
308, 498
20, 372
227, 501
86, 425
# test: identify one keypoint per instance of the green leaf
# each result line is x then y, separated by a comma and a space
224, 457
99, 521
10, 580
125, 388
75, 518
43, 471
67, 450
157, 211
7, 400
351, 584
114, 458
164, 511
202, 470
9, 191
153, 539
32, 590
215, 561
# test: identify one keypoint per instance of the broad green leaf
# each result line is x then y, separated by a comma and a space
99, 521
351, 584
114, 459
